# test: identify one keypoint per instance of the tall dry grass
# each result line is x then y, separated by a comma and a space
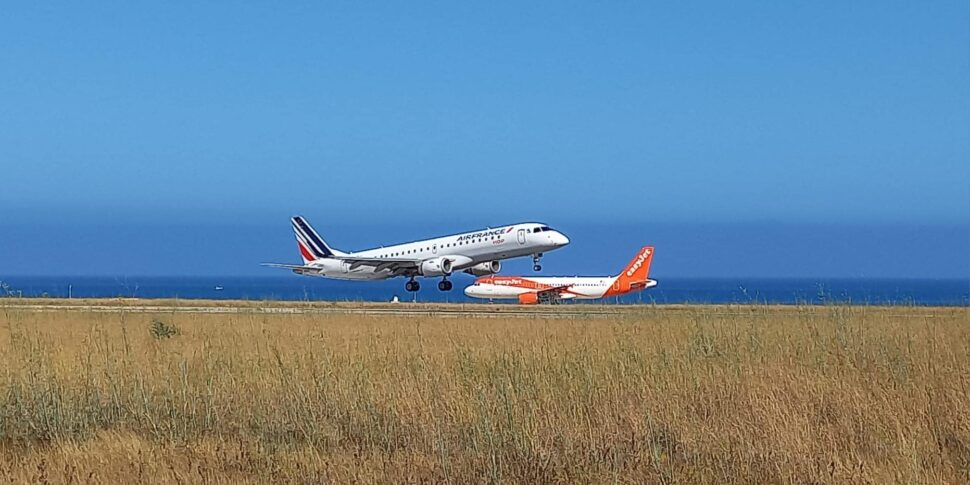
714, 394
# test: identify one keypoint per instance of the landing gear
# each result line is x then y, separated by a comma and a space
535, 262
445, 285
412, 285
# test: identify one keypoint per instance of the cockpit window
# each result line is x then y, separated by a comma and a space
537, 229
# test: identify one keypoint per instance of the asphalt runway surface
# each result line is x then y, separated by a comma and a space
457, 310
403, 310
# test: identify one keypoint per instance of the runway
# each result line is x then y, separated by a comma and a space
453, 310
282, 308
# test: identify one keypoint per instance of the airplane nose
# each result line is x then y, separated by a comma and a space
469, 292
560, 239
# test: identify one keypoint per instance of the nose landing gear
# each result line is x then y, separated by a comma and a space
535, 262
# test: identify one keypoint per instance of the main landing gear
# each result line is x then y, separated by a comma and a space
535, 262
412, 285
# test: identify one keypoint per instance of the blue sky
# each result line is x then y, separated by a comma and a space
714, 128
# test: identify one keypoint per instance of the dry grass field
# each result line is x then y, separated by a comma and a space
748, 394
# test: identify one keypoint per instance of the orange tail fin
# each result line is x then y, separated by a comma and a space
634, 276
639, 267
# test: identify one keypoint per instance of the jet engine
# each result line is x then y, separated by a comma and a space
529, 299
485, 269
436, 267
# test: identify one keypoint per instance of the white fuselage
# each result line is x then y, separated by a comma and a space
463, 250
550, 289
573, 287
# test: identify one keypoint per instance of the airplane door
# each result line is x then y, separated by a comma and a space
521, 236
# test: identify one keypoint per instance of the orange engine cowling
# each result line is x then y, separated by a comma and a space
529, 298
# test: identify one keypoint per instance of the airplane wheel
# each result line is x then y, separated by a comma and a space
412, 286
537, 268
445, 285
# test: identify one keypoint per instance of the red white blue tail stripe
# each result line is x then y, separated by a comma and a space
311, 244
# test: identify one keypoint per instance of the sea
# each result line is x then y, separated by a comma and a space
786, 291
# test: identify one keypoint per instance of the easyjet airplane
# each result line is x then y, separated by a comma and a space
477, 253
556, 288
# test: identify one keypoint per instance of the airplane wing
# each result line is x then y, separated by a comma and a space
550, 295
395, 265
398, 266
555, 290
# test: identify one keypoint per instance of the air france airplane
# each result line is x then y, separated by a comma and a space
554, 289
477, 253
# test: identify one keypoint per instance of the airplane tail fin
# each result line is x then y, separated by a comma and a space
312, 246
635, 275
